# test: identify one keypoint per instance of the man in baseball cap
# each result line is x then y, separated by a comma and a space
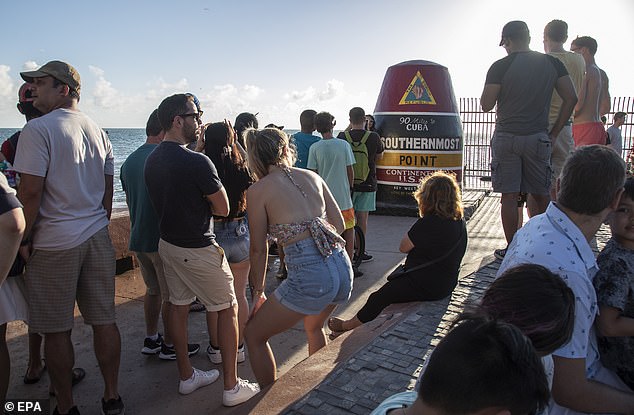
66, 168
59, 70
514, 30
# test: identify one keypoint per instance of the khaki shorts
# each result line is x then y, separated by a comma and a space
520, 163
564, 145
55, 279
201, 273
153, 275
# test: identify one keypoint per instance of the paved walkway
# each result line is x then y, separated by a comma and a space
351, 375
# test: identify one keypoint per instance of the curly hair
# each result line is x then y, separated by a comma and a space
439, 194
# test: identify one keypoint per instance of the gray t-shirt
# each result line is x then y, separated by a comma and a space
616, 140
526, 80
73, 155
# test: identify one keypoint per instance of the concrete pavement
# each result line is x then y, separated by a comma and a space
366, 365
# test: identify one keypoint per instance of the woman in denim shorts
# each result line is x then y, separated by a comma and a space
295, 206
232, 232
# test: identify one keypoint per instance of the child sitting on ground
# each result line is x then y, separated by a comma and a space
614, 284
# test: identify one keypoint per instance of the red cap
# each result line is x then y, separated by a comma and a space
24, 93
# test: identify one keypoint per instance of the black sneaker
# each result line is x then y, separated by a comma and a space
151, 347
71, 411
356, 272
168, 352
366, 258
500, 253
112, 407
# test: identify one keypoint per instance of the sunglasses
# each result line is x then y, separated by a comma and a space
197, 115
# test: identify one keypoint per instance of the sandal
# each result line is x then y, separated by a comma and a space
336, 325
30, 381
78, 375
196, 306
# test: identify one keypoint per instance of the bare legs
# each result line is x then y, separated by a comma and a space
228, 342
508, 212
348, 236
35, 366
60, 357
240, 273
536, 204
151, 310
5, 363
271, 319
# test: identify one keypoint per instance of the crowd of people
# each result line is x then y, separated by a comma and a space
552, 334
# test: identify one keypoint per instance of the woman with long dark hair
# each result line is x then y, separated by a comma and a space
232, 232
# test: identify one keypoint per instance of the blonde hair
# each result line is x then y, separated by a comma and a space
439, 194
268, 147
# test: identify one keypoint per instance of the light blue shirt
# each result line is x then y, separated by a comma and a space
554, 241
396, 401
331, 158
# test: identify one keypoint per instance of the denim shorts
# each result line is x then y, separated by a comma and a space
314, 281
233, 237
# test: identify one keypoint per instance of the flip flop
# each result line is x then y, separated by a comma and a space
78, 375
336, 325
31, 381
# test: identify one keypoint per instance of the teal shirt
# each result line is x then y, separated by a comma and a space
303, 142
144, 222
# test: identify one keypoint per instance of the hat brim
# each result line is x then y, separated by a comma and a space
29, 76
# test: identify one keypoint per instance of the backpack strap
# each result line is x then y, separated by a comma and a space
365, 137
363, 140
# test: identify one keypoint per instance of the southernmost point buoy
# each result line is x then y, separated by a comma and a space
417, 116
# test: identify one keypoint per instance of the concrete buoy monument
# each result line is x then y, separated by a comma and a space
418, 118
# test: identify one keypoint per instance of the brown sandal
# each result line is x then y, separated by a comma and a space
336, 325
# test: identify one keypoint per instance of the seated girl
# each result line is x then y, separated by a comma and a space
435, 245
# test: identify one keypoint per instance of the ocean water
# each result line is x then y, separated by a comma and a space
124, 141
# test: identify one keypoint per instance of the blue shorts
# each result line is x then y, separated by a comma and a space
364, 201
314, 281
233, 238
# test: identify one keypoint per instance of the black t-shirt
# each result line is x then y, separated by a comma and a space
375, 146
526, 80
178, 181
432, 237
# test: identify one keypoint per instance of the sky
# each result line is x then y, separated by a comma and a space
278, 58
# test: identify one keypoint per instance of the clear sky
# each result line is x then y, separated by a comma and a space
279, 57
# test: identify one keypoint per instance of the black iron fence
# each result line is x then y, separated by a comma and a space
478, 129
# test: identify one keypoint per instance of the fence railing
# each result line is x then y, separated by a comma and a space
478, 129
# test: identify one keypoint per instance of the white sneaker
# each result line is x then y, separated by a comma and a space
214, 355
216, 358
246, 390
199, 379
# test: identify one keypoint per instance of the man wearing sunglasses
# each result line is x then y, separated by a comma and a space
66, 165
185, 190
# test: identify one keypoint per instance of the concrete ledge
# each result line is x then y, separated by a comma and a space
359, 369
119, 229
314, 370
